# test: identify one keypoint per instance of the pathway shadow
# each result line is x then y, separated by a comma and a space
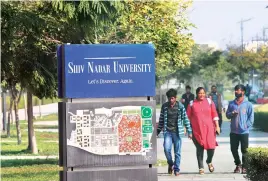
27, 162
14, 153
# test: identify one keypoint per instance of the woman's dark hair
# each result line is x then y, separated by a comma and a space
240, 86
171, 93
198, 90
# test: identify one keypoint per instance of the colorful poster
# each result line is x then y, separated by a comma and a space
124, 130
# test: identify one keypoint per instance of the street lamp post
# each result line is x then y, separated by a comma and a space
242, 32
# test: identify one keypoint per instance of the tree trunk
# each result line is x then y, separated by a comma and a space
9, 117
17, 121
40, 111
25, 105
32, 144
15, 99
11, 113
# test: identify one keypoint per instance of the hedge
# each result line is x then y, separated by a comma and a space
257, 164
261, 120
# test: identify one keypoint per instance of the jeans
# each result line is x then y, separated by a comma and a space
171, 138
235, 139
200, 154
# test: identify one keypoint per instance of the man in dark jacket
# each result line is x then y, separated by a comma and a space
218, 101
173, 119
187, 97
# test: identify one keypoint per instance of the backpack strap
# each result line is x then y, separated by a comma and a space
209, 100
191, 103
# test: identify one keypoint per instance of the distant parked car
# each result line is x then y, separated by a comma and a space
255, 95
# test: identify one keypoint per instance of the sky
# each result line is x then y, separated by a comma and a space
217, 21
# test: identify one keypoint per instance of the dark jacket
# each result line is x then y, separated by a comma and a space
187, 99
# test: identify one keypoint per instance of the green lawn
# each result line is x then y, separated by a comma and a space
262, 108
9, 145
228, 96
30, 170
50, 117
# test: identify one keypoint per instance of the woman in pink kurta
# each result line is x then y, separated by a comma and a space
204, 120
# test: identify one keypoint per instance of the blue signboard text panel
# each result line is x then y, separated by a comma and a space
108, 70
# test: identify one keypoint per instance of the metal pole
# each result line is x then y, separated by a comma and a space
252, 79
242, 32
264, 35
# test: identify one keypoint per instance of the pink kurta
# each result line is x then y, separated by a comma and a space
202, 116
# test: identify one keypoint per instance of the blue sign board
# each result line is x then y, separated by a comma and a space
106, 70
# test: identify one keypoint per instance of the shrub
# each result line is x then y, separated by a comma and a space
257, 164
261, 120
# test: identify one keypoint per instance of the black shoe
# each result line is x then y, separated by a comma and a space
170, 169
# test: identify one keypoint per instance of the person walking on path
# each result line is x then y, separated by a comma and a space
172, 121
241, 113
204, 120
187, 97
218, 101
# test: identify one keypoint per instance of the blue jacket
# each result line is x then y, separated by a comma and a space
182, 119
243, 121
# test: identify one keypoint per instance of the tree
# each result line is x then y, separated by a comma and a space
261, 58
207, 67
164, 23
9, 69
87, 20
31, 32
242, 63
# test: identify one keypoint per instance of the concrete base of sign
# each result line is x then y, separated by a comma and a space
149, 174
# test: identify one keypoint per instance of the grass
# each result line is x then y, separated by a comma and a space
30, 170
49, 117
229, 96
262, 108
160, 163
9, 146
44, 148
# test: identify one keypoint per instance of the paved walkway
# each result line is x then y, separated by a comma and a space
206, 177
223, 160
45, 110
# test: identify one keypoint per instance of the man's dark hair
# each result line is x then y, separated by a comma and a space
214, 86
188, 87
240, 86
171, 93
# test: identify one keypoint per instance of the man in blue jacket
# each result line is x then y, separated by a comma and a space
241, 113
173, 119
